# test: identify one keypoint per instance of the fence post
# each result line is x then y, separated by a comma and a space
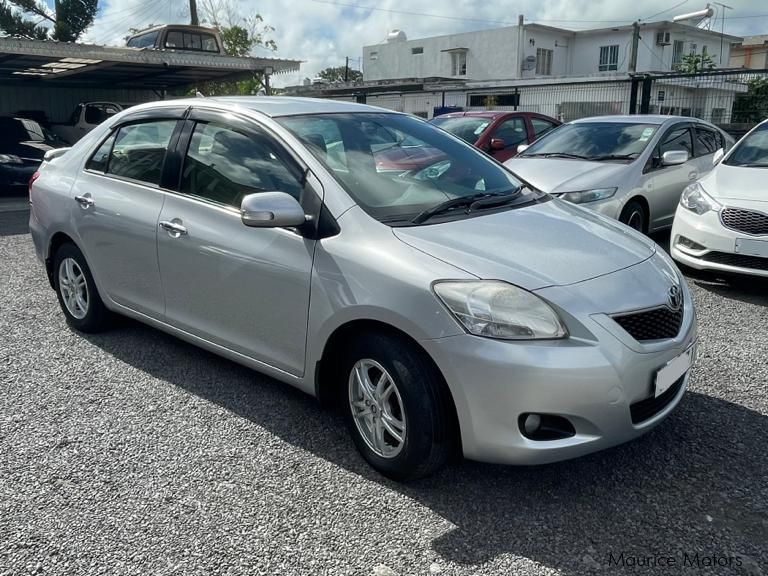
517, 98
635, 83
645, 100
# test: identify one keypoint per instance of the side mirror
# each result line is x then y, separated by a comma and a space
674, 157
522, 148
271, 210
497, 144
718, 156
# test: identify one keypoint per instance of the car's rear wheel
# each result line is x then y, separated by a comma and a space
78, 297
635, 216
397, 407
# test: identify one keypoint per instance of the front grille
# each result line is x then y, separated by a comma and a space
656, 324
740, 260
748, 221
648, 408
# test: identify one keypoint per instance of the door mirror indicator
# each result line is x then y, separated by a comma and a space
674, 157
497, 144
718, 156
271, 210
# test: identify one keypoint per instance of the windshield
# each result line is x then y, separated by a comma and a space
468, 128
595, 141
396, 167
752, 151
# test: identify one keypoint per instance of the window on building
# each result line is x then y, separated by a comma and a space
543, 62
494, 100
374, 56
678, 47
417, 50
459, 63
609, 58
704, 50
693, 48
718, 114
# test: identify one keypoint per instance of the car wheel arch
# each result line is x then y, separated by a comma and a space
643, 201
56, 242
327, 388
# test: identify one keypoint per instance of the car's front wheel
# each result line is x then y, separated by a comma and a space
634, 215
76, 291
397, 407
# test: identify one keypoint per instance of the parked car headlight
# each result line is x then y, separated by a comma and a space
10, 159
588, 195
695, 199
495, 309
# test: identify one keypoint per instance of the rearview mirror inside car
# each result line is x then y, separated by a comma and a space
674, 157
271, 210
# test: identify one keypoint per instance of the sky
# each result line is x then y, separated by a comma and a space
323, 32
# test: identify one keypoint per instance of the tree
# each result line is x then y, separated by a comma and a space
752, 106
66, 22
695, 63
336, 74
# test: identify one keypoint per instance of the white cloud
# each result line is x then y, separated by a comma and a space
323, 33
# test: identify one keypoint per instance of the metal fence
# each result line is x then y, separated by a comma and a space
726, 98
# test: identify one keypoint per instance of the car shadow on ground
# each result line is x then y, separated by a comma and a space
695, 484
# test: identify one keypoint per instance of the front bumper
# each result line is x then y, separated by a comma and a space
591, 379
709, 232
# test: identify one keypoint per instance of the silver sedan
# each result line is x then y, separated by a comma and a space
631, 168
442, 306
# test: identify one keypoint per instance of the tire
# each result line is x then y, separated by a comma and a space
419, 402
635, 216
87, 312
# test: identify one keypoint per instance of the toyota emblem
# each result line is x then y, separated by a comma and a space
675, 298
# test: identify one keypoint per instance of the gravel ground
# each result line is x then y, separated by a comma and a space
132, 452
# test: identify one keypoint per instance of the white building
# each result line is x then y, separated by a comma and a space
533, 50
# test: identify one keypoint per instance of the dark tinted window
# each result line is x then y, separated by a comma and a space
677, 139
752, 150
22, 130
707, 141
100, 158
179, 40
541, 127
512, 131
97, 113
224, 165
139, 150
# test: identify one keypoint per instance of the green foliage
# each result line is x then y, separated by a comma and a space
752, 106
67, 21
336, 74
694, 63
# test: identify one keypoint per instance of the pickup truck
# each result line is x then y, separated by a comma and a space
85, 117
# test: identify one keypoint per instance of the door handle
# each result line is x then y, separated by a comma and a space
174, 229
85, 201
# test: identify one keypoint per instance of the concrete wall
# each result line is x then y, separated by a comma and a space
491, 54
559, 42
58, 103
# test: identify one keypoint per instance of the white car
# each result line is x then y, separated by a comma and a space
721, 223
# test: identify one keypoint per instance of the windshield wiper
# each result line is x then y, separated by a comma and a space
471, 202
613, 157
555, 155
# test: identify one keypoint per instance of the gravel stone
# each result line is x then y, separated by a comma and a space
134, 453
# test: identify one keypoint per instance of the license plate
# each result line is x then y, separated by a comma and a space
674, 370
752, 247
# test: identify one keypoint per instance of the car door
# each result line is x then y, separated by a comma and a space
116, 204
667, 182
513, 132
243, 288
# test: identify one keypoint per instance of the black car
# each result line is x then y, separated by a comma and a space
23, 143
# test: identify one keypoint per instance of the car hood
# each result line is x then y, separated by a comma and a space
549, 244
737, 183
556, 175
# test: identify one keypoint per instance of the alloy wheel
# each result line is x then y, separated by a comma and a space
74, 288
377, 408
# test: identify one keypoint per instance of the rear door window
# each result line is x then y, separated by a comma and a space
541, 126
707, 141
139, 150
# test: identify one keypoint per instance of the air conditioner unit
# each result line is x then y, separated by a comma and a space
662, 38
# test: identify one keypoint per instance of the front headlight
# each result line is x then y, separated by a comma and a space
695, 199
495, 309
10, 159
588, 195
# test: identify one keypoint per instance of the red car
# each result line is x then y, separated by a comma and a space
497, 133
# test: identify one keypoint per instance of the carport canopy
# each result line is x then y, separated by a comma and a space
68, 64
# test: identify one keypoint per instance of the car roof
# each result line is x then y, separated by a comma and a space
635, 118
480, 114
272, 106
